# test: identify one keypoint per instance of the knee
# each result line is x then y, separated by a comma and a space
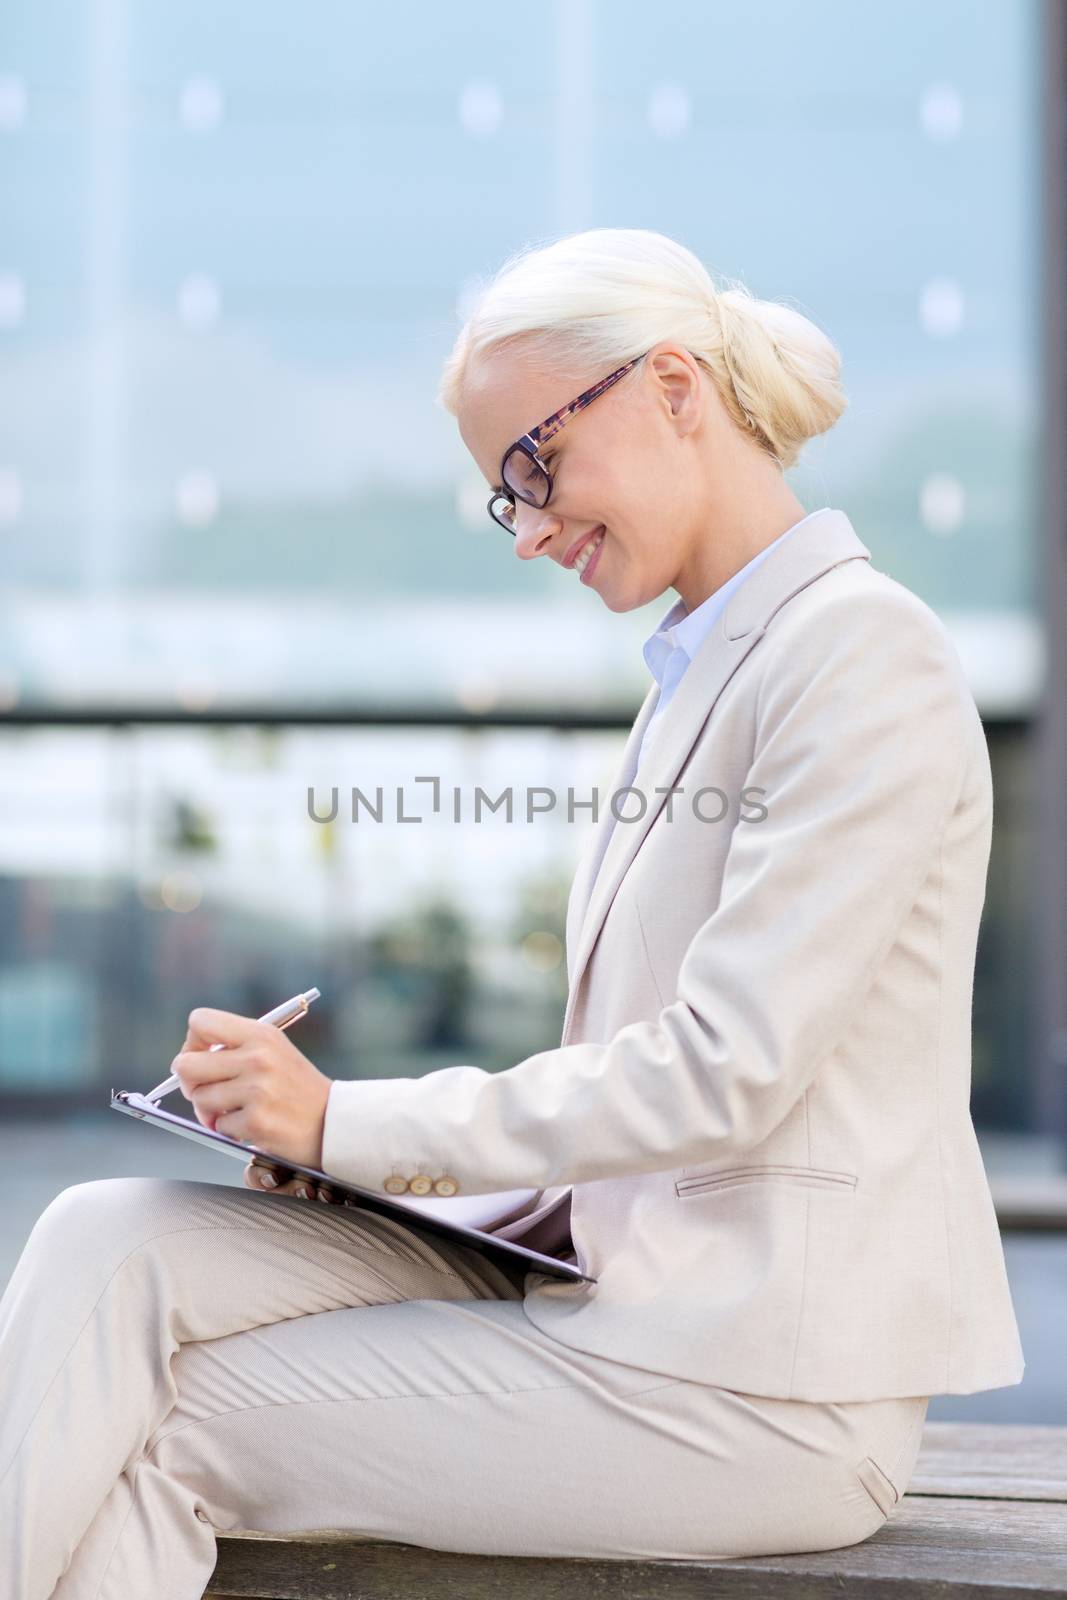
108, 1217
100, 1202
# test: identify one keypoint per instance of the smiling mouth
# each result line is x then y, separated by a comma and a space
586, 553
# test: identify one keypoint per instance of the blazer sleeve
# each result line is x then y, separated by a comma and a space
866, 730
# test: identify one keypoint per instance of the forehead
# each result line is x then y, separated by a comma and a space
505, 393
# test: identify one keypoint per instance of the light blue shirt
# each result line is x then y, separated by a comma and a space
680, 633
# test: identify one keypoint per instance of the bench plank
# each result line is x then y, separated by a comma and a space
998, 1461
929, 1548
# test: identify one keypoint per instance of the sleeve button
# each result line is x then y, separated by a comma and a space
420, 1184
445, 1186
395, 1185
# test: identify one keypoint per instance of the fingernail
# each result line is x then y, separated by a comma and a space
324, 1196
303, 1192
268, 1180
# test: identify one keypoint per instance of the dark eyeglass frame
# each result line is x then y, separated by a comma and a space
530, 442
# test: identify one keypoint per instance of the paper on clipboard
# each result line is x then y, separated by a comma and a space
475, 1210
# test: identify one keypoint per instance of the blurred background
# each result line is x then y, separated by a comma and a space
244, 556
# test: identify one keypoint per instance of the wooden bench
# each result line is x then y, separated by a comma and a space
984, 1517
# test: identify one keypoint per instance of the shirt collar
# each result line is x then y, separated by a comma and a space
660, 644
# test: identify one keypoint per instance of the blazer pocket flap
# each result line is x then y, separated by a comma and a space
764, 1172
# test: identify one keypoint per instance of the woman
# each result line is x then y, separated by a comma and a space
755, 1134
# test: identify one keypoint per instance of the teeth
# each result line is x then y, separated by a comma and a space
582, 559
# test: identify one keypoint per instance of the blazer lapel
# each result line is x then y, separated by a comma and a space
823, 542
594, 849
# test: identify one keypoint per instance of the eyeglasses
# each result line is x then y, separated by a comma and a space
522, 470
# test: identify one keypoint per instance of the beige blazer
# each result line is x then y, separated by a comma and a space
759, 1110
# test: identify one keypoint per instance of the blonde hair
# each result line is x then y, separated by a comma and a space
592, 301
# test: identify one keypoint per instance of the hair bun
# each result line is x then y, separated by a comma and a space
784, 372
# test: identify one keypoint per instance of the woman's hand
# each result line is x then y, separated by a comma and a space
272, 1179
259, 1088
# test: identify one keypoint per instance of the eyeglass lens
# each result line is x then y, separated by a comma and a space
526, 478
503, 512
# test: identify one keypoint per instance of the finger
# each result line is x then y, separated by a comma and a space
194, 1042
210, 1115
197, 1041
293, 1183
299, 1186
193, 1069
261, 1175
219, 1099
280, 1180
208, 1026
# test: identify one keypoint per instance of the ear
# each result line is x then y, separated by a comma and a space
679, 386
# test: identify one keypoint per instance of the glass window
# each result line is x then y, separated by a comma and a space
233, 262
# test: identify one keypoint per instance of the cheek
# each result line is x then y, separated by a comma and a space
640, 512
645, 491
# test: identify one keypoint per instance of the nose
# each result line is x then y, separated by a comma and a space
534, 530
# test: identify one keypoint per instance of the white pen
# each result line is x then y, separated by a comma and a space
281, 1017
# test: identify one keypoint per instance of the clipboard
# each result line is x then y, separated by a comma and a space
502, 1252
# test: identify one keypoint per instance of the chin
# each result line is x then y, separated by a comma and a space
619, 602
632, 602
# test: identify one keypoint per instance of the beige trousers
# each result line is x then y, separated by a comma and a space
179, 1357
